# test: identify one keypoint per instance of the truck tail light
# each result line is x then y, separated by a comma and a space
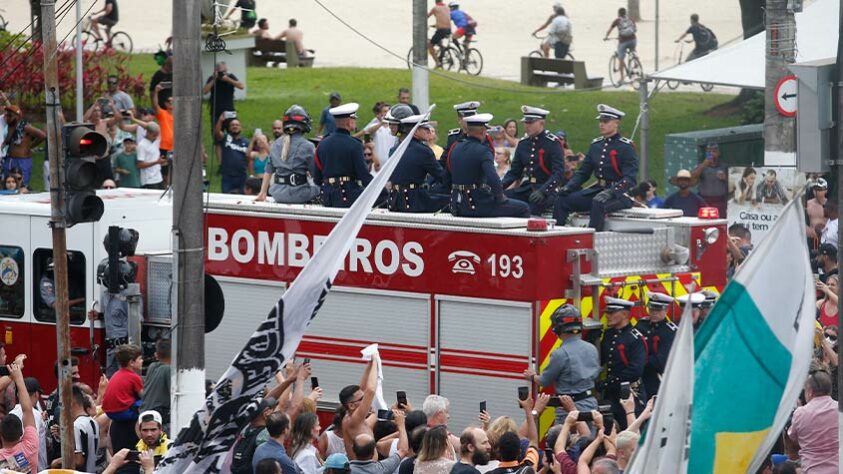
708, 213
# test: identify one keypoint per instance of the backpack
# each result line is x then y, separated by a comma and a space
244, 450
626, 27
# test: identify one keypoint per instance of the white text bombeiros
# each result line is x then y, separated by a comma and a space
294, 250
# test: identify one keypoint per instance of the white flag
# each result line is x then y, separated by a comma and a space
378, 403
203, 446
664, 447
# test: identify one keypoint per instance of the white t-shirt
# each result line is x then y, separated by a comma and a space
86, 432
560, 27
148, 152
307, 460
830, 233
41, 426
3, 129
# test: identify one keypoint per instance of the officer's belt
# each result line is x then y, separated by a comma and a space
605, 183
291, 179
468, 187
339, 180
579, 396
116, 341
405, 187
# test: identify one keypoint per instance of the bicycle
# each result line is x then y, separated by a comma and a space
452, 53
673, 85
538, 53
117, 40
632, 66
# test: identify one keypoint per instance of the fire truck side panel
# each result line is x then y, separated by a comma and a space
484, 346
16, 315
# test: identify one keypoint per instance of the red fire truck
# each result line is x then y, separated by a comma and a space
458, 306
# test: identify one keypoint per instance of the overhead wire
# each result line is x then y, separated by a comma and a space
65, 7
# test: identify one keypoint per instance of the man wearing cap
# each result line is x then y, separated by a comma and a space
623, 349
696, 300
152, 435
660, 333
613, 161
466, 109
407, 193
826, 261
476, 187
340, 168
574, 366
814, 209
684, 199
538, 165
327, 124
713, 179
21, 137
336, 463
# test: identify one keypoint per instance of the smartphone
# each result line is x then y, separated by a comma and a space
523, 393
4, 371
166, 84
385, 415
306, 361
125, 113
314, 383
230, 114
624, 390
401, 396
608, 422
548, 454
133, 456
258, 131
585, 416
483, 406
554, 402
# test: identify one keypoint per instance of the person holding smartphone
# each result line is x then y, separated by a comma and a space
573, 367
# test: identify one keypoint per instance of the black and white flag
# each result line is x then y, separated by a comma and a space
204, 445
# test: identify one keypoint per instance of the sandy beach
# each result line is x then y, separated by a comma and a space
504, 28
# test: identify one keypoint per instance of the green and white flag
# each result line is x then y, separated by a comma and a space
753, 353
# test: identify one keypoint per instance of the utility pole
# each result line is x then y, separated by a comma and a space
55, 147
187, 235
779, 131
633, 10
80, 109
421, 81
656, 67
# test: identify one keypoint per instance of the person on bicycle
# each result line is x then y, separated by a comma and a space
464, 23
107, 17
704, 39
443, 28
559, 35
626, 37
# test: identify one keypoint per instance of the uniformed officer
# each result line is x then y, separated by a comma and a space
393, 118
707, 304
538, 165
623, 349
408, 193
659, 332
340, 168
466, 109
290, 162
696, 300
574, 366
613, 161
476, 188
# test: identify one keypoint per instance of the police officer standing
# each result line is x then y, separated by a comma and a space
660, 333
290, 161
574, 366
624, 352
408, 193
340, 168
476, 188
696, 300
613, 161
538, 165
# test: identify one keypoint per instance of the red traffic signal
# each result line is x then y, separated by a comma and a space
81, 141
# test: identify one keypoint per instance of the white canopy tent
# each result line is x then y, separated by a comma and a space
742, 64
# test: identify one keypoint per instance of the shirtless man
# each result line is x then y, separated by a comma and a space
442, 14
294, 34
816, 216
356, 403
21, 137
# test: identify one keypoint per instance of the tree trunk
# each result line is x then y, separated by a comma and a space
633, 10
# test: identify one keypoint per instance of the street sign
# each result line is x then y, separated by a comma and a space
785, 96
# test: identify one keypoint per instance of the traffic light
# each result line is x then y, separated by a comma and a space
82, 146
